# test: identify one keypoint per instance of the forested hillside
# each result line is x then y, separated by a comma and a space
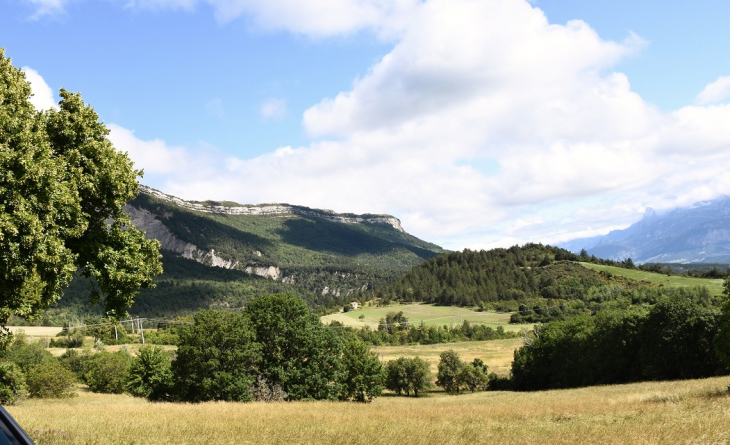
541, 283
222, 254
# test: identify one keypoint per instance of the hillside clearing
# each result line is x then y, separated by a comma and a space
430, 314
687, 412
712, 285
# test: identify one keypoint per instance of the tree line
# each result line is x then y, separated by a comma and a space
277, 349
682, 336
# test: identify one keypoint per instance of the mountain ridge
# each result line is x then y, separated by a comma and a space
699, 233
232, 208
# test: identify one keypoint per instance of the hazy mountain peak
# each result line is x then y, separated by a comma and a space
696, 233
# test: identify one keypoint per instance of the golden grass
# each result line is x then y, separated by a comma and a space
685, 412
497, 354
36, 331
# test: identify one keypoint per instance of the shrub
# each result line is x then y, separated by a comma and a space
50, 380
497, 383
108, 372
12, 384
150, 375
161, 337
27, 355
75, 340
74, 362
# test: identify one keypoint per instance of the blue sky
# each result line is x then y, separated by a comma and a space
479, 123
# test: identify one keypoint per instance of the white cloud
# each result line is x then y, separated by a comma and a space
162, 4
274, 108
215, 107
715, 92
315, 18
43, 97
165, 165
47, 7
578, 152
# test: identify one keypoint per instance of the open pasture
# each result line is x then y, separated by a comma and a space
680, 412
497, 354
712, 285
430, 314
36, 331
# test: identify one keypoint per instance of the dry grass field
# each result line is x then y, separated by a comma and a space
686, 412
497, 354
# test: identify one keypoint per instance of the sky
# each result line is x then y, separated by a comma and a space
478, 123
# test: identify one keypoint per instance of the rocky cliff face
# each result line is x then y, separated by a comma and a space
231, 248
276, 209
156, 229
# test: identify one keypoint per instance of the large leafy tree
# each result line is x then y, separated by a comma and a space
363, 373
297, 352
217, 358
449, 368
62, 191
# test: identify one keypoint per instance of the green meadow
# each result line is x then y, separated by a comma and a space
429, 314
713, 285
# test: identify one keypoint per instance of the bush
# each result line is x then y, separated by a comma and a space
150, 375
12, 384
161, 337
50, 380
106, 331
497, 383
108, 372
74, 362
75, 340
27, 355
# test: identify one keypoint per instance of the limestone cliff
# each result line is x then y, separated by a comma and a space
275, 209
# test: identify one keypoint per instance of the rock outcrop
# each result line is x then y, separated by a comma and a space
275, 209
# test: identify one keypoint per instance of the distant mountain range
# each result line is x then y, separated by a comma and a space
696, 234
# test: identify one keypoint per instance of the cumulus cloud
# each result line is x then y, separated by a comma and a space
576, 151
166, 165
43, 97
715, 92
274, 108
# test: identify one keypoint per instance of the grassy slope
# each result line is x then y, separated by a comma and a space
714, 286
429, 313
690, 412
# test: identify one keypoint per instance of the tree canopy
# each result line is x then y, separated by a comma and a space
63, 186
